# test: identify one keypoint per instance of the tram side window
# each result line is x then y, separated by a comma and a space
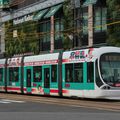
14, 74
78, 72
28, 78
69, 72
1, 74
90, 72
54, 73
37, 73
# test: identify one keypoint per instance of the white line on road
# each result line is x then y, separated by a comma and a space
10, 101
4, 102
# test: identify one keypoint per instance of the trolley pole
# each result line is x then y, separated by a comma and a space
90, 25
52, 35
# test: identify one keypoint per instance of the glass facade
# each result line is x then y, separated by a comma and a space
100, 21
45, 31
85, 22
42, 20
4, 3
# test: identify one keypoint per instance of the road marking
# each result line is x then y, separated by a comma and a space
6, 101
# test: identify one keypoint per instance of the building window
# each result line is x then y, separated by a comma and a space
85, 22
45, 31
100, 15
57, 29
37, 73
97, 20
104, 19
14, 74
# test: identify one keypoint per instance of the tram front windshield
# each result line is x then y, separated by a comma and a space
110, 69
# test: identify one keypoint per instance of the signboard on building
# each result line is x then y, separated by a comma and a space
23, 19
4, 3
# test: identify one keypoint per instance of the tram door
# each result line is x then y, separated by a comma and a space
28, 79
46, 79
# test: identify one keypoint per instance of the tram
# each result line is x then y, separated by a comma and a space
85, 73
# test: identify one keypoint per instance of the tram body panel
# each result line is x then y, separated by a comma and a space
2, 75
44, 74
78, 72
14, 74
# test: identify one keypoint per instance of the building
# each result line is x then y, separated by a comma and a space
40, 24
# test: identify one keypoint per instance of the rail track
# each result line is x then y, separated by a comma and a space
110, 105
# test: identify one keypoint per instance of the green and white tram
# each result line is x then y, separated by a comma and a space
86, 73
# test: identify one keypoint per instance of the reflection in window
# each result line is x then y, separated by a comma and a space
74, 72
100, 19
97, 18
14, 74
54, 73
110, 68
1, 74
90, 72
78, 72
58, 29
45, 31
104, 19
69, 72
37, 73
85, 23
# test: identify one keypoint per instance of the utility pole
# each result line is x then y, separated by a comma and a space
2, 34
90, 25
52, 34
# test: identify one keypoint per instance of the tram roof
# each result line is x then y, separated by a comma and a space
43, 57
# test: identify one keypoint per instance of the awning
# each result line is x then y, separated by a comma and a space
88, 2
40, 14
52, 11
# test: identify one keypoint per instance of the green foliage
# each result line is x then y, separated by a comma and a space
26, 40
68, 24
113, 16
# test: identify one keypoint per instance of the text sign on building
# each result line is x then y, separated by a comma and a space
23, 19
4, 3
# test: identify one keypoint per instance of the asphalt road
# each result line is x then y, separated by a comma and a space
24, 110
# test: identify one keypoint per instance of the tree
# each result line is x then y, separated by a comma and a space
25, 41
113, 16
68, 24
